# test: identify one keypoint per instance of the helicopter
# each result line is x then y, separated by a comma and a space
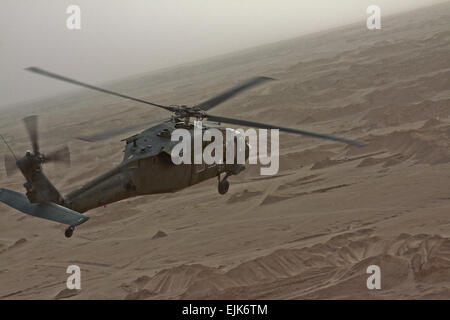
147, 167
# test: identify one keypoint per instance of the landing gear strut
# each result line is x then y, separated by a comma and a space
69, 231
223, 185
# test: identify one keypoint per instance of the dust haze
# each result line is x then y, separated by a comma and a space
118, 39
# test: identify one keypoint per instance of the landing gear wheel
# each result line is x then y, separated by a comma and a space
69, 231
224, 185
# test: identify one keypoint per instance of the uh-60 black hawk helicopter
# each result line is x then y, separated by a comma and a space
147, 167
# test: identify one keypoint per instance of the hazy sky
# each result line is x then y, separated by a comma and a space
120, 38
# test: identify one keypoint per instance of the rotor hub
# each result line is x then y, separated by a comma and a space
186, 112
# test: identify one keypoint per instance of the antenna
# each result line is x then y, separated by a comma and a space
12, 152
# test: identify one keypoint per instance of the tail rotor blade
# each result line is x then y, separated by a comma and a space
31, 126
61, 155
10, 165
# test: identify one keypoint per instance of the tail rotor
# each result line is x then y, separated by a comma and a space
34, 159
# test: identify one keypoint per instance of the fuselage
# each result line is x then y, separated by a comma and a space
147, 168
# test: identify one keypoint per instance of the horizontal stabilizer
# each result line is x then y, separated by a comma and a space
48, 210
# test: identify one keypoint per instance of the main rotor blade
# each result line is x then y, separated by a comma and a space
85, 85
10, 165
211, 103
61, 155
103, 135
31, 126
290, 130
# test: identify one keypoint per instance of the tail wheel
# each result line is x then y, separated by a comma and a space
69, 232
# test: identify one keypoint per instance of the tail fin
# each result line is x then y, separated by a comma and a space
47, 210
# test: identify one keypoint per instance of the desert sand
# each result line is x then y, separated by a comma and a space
309, 232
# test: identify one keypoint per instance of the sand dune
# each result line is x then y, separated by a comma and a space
309, 232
